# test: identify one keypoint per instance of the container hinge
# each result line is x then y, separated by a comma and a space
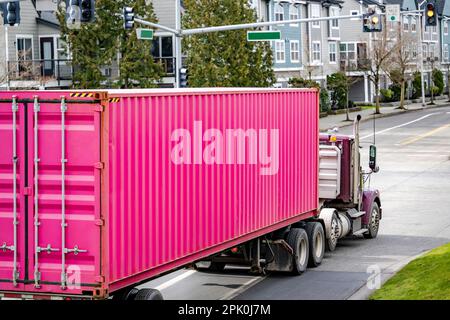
75, 250
5, 247
99, 108
100, 222
99, 165
47, 249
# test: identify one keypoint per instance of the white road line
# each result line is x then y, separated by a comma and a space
234, 293
401, 125
171, 282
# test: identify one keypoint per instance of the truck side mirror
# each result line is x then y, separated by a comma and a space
373, 159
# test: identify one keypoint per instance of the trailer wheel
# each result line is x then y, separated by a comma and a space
125, 295
149, 294
316, 237
216, 266
374, 222
331, 242
298, 241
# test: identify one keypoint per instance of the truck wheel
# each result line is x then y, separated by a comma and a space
148, 294
216, 266
331, 242
316, 237
298, 241
125, 295
374, 222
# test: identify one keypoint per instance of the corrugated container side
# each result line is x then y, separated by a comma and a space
162, 214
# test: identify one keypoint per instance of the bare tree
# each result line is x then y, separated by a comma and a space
379, 58
403, 58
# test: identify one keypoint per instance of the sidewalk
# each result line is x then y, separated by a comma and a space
338, 120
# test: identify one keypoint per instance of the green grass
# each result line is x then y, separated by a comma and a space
367, 107
425, 278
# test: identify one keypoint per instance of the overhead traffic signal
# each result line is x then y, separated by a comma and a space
11, 13
128, 18
81, 11
87, 10
184, 77
372, 22
430, 14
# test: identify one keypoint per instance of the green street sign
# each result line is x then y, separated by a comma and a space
263, 35
144, 34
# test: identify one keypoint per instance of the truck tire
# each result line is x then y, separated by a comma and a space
148, 294
374, 222
298, 241
331, 242
316, 237
125, 295
216, 266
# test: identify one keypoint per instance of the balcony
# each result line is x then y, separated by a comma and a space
36, 73
362, 64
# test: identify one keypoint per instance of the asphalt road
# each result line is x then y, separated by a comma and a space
414, 178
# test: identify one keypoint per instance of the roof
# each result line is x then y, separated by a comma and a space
49, 19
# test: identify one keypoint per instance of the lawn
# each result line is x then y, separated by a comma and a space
425, 278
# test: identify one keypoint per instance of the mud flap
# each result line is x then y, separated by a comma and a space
279, 256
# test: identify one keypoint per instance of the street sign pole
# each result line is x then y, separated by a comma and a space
178, 38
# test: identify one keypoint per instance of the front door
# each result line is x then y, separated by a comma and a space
47, 56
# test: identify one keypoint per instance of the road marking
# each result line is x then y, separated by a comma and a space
234, 293
423, 136
401, 125
171, 282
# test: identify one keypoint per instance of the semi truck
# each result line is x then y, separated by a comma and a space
103, 190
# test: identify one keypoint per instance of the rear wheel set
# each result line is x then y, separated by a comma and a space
138, 294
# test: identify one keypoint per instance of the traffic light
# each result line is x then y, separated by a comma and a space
184, 77
81, 11
430, 14
11, 13
87, 8
372, 22
128, 18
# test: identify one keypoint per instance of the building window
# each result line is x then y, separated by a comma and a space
445, 52
333, 52
315, 13
446, 28
425, 50
279, 12
414, 51
295, 51
405, 24
347, 51
24, 48
413, 24
334, 12
316, 51
293, 13
280, 51
432, 48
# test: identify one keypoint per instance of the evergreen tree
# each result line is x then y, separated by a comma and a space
98, 44
225, 59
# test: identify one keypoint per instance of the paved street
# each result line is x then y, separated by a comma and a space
414, 158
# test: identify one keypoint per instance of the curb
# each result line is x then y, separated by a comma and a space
363, 293
385, 115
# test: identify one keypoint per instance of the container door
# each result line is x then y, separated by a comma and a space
64, 217
12, 194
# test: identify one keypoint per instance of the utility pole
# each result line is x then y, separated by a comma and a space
177, 37
7, 56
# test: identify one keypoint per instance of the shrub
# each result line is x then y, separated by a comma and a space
337, 83
387, 95
303, 83
324, 100
438, 81
416, 83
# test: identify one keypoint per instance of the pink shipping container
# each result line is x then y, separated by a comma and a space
102, 190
